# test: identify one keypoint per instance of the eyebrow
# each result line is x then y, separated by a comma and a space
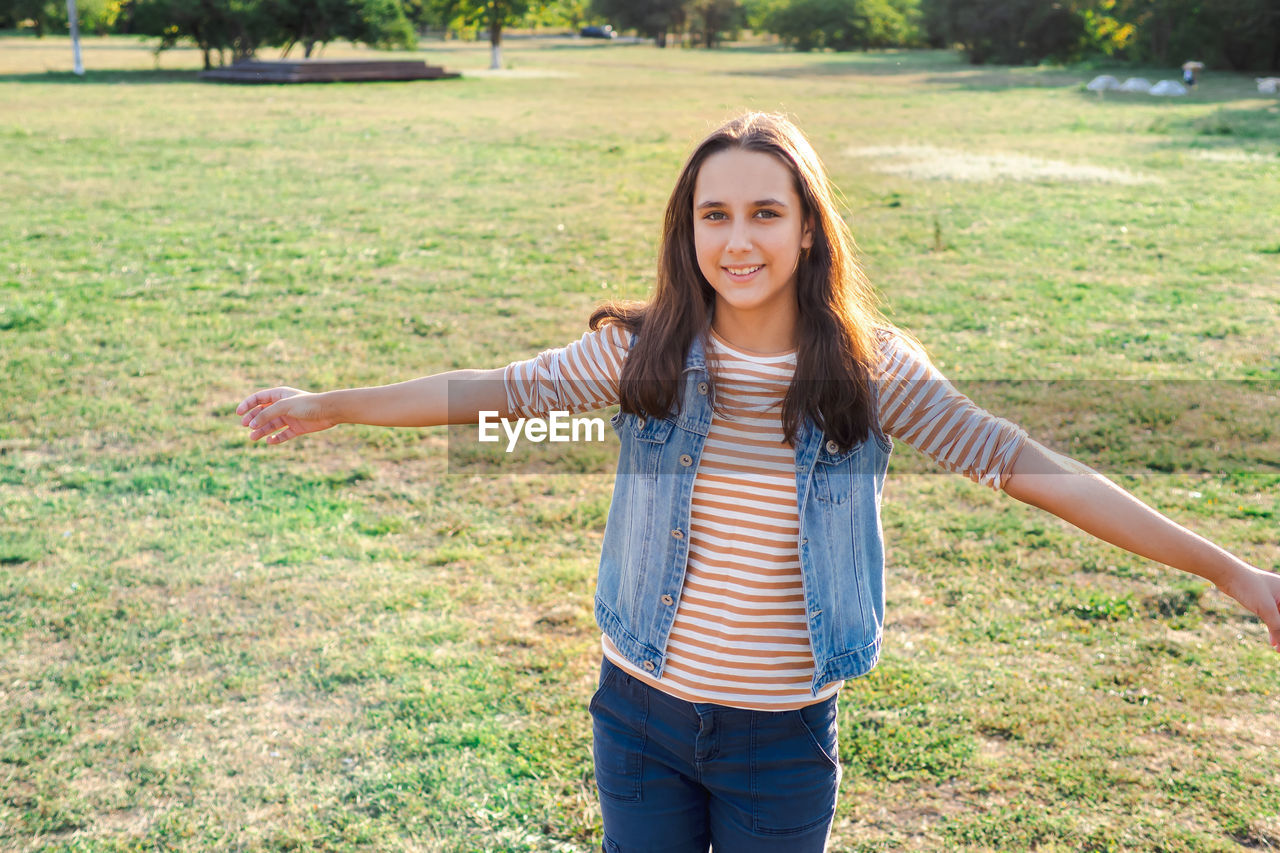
764, 202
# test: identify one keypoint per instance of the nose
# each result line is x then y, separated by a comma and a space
739, 237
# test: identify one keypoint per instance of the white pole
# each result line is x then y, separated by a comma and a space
75, 36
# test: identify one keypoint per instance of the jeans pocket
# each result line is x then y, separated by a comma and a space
608, 672
795, 775
618, 738
819, 722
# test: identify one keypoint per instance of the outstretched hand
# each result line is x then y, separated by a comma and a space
283, 413
1259, 593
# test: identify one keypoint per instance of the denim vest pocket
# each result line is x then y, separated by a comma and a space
833, 474
649, 437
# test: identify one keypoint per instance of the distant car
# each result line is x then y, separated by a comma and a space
604, 32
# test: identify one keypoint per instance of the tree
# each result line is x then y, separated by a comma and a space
210, 24
565, 13
713, 18
44, 15
756, 13
1014, 32
1240, 34
845, 24
652, 18
244, 26
99, 16
381, 23
492, 14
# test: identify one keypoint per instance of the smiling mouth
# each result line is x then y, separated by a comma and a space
743, 271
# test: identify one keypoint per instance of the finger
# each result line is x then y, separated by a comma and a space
1269, 613
249, 415
282, 436
253, 401
265, 397
266, 428
256, 414
265, 415
1273, 625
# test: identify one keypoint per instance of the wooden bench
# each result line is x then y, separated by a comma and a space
326, 71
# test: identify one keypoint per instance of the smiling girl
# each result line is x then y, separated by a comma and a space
742, 573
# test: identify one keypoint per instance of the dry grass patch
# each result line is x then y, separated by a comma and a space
1236, 156
927, 163
904, 815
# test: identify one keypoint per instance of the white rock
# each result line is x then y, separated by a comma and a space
1136, 84
1168, 87
1102, 83
1268, 85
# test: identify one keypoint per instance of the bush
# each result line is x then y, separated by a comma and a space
243, 26
1011, 32
39, 15
1240, 34
845, 24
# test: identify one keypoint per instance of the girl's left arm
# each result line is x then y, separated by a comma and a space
1078, 494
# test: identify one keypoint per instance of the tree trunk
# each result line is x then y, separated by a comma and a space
495, 35
73, 21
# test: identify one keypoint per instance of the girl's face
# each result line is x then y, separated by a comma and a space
748, 230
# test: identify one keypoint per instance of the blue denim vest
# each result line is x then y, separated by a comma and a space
646, 539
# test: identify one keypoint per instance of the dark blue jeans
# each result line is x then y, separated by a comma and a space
679, 777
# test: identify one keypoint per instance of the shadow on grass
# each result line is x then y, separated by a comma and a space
942, 69
891, 63
91, 78
1215, 123
948, 70
1226, 125
1237, 88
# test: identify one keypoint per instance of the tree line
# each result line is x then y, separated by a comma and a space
1237, 34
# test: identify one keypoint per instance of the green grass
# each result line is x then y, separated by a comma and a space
345, 644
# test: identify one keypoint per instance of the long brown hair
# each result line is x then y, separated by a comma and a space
838, 313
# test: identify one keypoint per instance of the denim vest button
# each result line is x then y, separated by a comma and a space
668, 600
703, 388
686, 460
832, 447
678, 534
640, 424
648, 665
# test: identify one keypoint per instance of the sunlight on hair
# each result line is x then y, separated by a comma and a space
927, 163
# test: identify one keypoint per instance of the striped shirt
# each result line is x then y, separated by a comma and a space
740, 636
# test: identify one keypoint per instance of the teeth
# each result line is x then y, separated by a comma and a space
744, 270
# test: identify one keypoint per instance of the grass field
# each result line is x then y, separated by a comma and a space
344, 643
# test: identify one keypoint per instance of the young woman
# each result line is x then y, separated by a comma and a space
742, 574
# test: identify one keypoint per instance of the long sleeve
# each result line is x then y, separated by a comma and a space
580, 377
918, 405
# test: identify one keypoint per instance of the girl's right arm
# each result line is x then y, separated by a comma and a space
456, 397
